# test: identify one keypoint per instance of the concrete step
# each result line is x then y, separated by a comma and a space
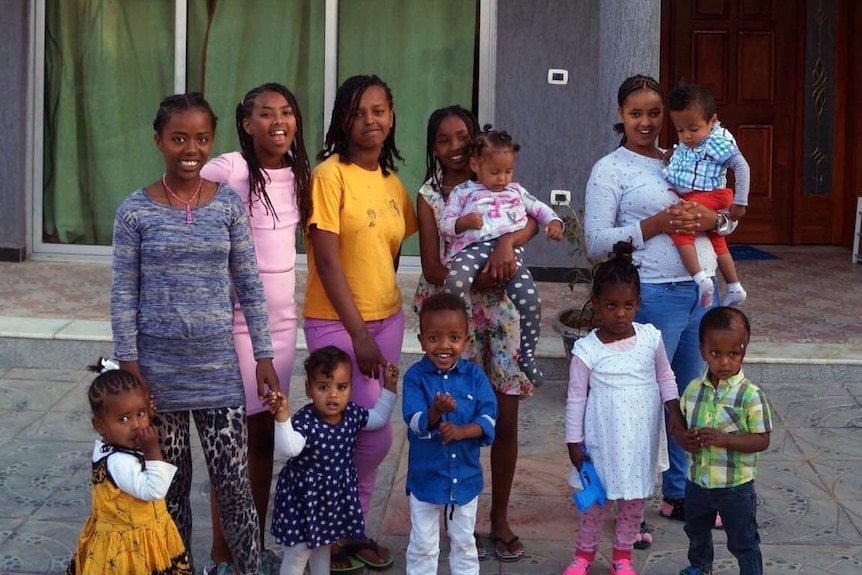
62, 344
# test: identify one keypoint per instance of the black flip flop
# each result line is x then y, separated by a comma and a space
481, 552
512, 556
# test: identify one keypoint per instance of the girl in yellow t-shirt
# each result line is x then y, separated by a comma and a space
361, 214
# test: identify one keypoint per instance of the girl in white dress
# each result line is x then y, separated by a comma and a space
619, 378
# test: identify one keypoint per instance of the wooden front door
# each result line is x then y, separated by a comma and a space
747, 52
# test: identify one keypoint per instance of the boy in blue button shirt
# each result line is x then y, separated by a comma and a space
450, 411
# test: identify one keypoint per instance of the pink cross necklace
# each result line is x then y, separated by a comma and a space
188, 204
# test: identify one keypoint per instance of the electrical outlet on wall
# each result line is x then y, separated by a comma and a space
561, 197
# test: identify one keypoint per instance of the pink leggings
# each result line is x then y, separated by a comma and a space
630, 513
371, 446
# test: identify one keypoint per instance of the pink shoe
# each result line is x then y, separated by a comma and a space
579, 566
623, 567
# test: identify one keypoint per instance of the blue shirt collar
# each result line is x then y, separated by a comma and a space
428, 366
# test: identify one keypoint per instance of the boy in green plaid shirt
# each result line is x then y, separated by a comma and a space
729, 422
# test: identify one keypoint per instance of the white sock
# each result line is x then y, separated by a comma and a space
705, 289
736, 294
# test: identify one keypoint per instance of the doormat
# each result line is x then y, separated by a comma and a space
742, 253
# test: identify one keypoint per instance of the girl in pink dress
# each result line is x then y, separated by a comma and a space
271, 175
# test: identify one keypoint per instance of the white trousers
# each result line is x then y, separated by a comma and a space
423, 551
296, 557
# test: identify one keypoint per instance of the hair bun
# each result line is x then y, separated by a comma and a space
624, 250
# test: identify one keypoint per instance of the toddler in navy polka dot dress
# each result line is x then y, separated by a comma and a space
317, 495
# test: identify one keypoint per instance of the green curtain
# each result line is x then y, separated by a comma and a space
424, 50
109, 62
107, 65
235, 45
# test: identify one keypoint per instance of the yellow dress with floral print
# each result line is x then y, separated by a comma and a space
126, 535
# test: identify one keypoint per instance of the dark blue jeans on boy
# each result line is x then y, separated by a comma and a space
738, 509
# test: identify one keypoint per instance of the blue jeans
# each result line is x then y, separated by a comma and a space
738, 509
673, 308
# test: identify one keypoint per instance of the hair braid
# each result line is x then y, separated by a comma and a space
170, 105
629, 86
344, 109
434, 169
296, 158
110, 382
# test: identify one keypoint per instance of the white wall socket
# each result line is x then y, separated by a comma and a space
561, 198
558, 76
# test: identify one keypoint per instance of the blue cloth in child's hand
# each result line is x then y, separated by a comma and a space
593, 491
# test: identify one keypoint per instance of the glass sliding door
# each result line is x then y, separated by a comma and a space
107, 64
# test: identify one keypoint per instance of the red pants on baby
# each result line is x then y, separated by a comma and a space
718, 199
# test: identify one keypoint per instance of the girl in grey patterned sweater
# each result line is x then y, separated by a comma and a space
182, 251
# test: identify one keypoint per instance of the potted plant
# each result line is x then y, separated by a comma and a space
576, 321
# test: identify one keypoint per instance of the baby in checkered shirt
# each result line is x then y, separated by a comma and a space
697, 171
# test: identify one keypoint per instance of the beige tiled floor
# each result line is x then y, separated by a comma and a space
808, 488
809, 294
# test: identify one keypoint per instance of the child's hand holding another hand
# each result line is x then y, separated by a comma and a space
555, 230
276, 402
390, 378
688, 439
450, 432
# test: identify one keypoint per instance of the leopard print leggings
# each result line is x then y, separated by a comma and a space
223, 434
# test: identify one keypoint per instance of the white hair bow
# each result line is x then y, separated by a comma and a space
108, 364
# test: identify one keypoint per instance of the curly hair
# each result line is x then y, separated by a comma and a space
324, 361
692, 96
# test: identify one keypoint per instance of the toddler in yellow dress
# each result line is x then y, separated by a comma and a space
130, 530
